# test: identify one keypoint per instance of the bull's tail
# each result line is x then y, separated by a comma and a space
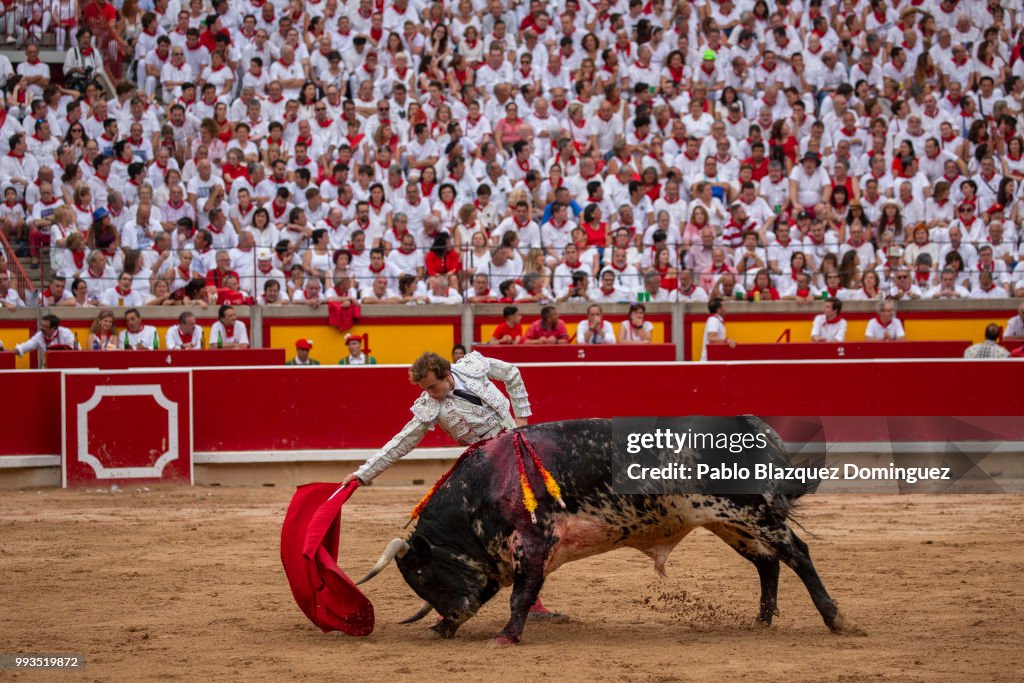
784, 502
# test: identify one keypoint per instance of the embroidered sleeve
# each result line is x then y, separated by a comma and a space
425, 411
510, 376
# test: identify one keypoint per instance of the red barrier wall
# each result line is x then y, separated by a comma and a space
30, 418
319, 408
7, 359
368, 405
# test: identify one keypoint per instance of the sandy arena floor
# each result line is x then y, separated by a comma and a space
186, 584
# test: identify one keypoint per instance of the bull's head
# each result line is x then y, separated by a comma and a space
453, 584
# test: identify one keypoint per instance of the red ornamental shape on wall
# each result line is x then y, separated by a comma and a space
127, 427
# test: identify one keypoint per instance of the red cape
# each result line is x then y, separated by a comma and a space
309, 552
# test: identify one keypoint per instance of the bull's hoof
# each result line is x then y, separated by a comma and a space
503, 641
765, 622
840, 625
442, 629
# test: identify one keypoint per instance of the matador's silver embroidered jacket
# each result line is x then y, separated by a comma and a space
464, 421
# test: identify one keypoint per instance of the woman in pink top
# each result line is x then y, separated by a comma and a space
511, 129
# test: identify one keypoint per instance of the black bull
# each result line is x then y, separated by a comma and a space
474, 536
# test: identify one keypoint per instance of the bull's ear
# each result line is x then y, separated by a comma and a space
422, 549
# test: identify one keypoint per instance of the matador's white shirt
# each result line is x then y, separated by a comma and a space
463, 420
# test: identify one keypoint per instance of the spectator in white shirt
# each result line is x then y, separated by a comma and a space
714, 328
122, 293
1015, 325
885, 326
829, 326
228, 332
9, 298
595, 329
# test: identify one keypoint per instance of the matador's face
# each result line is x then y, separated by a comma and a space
437, 388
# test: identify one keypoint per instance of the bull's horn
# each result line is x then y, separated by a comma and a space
423, 611
396, 548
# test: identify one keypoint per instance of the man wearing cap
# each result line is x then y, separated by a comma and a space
709, 73
807, 183
356, 355
185, 335
302, 349
265, 271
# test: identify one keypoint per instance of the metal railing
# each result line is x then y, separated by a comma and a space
251, 279
22, 24
27, 21
21, 282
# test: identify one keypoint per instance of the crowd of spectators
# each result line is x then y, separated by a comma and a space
412, 152
228, 332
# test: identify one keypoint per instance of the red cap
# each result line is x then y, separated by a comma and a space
353, 337
304, 344
994, 208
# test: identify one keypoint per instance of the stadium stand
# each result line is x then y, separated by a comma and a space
403, 152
